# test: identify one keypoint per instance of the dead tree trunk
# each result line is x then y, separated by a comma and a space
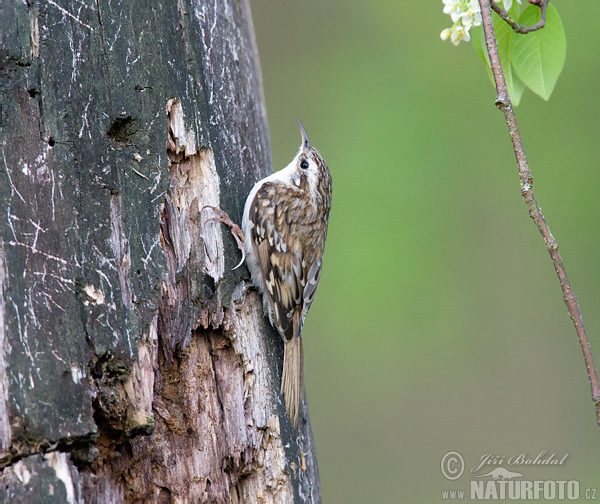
135, 365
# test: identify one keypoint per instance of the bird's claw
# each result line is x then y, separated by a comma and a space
235, 229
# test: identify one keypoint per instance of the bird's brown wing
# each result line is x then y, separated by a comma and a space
312, 281
283, 269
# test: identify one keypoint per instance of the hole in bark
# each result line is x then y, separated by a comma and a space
209, 284
51, 141
33, 92
109, 407
122, 130
164, 495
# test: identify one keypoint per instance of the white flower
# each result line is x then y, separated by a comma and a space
464, 14
508, 4
472, 16
459, 33
453, 7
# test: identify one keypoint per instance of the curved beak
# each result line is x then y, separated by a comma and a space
305, 142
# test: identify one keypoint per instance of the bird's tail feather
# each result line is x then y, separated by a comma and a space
292, 380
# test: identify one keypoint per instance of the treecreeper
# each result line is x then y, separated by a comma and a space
284, 227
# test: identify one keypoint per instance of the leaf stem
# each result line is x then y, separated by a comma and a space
526, 179
519, 28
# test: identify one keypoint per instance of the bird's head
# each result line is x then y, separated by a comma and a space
309, 167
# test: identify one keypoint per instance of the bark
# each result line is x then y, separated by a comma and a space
135, 366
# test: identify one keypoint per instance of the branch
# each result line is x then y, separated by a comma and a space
504, 104
519, 28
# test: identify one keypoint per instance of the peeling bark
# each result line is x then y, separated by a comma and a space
135, 366
5, 431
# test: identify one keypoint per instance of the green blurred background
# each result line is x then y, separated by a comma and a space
439, 322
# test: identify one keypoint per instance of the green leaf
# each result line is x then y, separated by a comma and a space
503, 36
514, 85
478, 39
515, 10
477, 33
518, 87
538, 57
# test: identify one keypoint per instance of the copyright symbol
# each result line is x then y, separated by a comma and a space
453, 465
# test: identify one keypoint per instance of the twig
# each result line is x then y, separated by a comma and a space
504, 104
519, 28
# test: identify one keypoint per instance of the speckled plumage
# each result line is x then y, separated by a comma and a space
285, 225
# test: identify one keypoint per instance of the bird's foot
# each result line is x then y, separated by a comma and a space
302, 464
235, 229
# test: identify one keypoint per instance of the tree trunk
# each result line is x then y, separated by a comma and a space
135, 365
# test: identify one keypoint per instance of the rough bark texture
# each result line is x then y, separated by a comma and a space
134, 364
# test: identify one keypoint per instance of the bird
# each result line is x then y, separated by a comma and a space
282, 238
285, 223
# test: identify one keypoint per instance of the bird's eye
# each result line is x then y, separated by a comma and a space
304, 164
